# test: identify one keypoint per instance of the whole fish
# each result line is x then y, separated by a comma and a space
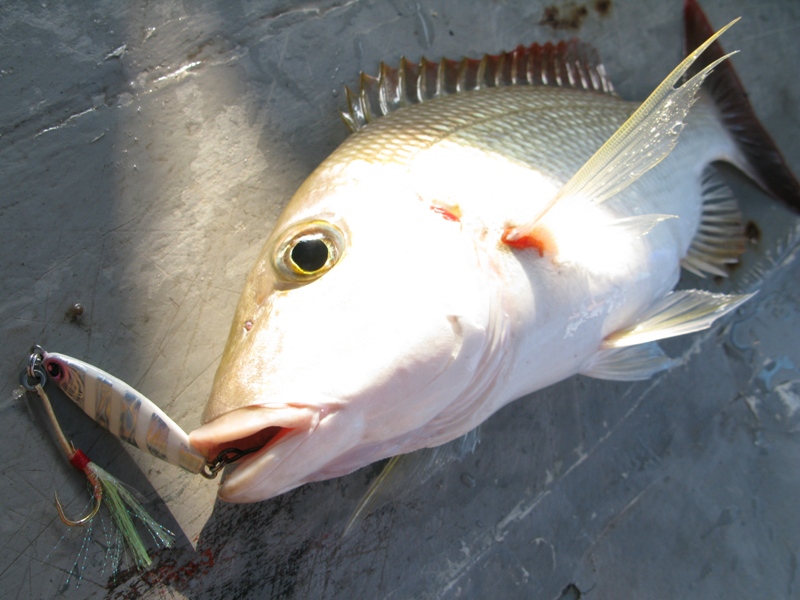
491, 227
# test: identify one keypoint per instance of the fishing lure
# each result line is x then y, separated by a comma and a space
128, 415
123, 411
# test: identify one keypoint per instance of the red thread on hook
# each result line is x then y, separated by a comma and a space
79, 460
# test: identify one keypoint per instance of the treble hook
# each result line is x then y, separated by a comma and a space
98, 500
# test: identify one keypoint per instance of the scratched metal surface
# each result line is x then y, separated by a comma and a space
146, 150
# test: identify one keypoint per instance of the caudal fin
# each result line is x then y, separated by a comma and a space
766, 162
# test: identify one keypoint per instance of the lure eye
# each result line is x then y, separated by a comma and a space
308, 250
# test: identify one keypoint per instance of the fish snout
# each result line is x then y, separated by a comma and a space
283, 446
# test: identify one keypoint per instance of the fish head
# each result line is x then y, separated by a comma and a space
362, 319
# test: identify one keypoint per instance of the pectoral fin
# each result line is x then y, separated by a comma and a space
643, 141
632, 363
677, 313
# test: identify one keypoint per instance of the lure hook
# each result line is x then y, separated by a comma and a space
98, 500
212, 467
33, 379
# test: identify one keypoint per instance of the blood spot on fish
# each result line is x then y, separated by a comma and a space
539, 239
446, 214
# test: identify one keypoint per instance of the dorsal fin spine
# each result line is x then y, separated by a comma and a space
515, 66
461, 78
401, 83
383, 89
565, 64
440, 78
366, 108
481, 74
422, 79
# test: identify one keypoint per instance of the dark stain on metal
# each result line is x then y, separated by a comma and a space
569, 16
602, 7
571, 592
752, 232
75, 312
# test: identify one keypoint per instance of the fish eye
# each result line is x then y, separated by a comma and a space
308, 250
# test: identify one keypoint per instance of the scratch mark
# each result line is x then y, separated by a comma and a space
66, 122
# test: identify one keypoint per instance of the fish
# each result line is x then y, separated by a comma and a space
490, 227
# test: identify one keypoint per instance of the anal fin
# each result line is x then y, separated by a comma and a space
720, 238
633, 363
677, 313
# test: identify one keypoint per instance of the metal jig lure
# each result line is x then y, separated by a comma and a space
121, 502
131, 416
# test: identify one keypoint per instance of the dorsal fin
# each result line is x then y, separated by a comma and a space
571, 64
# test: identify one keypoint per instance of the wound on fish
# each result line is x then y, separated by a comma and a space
446, 214
541, 239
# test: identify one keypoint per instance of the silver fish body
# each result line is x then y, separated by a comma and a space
393, 308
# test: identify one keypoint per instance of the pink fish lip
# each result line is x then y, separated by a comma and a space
259, 429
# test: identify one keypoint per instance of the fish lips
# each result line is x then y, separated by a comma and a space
288, 454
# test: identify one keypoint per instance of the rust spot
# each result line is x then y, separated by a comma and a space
752, 232
568, 16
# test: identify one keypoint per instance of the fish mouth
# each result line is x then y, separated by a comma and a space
266, 435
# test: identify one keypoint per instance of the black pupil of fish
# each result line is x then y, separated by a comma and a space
310, 255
